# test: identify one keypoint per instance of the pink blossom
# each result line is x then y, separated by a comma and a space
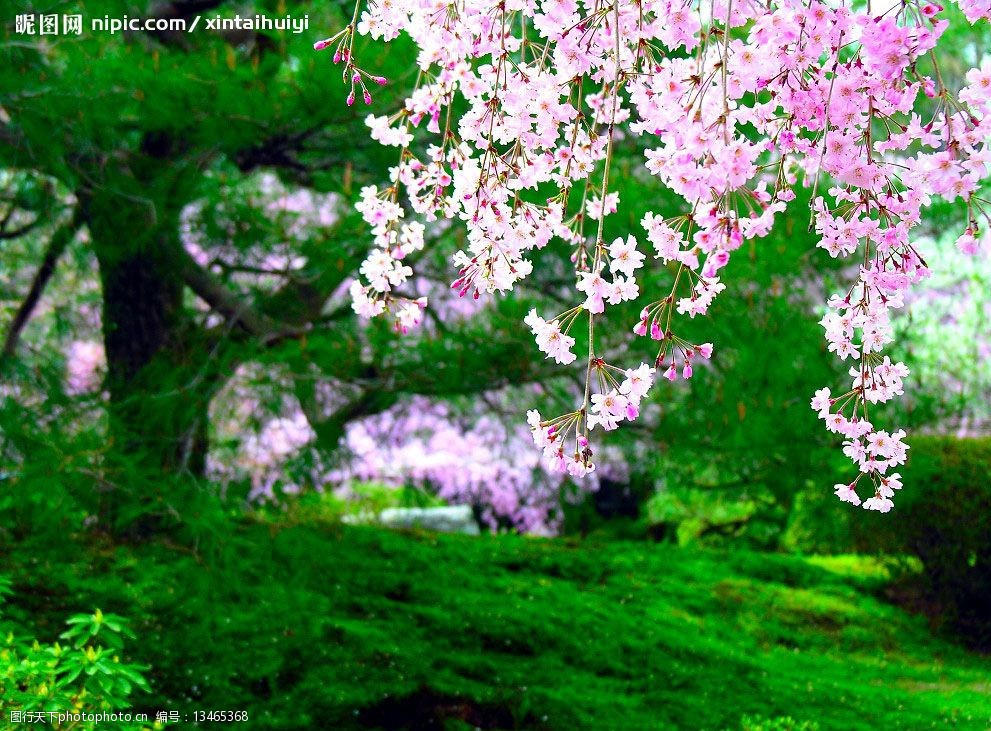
769, 97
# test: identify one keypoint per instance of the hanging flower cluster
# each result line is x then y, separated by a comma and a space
520, 104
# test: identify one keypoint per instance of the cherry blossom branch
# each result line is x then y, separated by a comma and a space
742, 104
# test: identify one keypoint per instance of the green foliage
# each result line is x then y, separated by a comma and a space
690, 516
84, 676
53, 491
310, 625
943, 516
818, 522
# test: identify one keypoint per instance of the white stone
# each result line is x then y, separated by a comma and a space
448, 519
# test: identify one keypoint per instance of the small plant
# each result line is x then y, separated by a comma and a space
84, 676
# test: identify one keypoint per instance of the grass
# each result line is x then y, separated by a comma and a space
322, 626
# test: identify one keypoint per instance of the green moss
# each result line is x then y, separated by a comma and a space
315, 626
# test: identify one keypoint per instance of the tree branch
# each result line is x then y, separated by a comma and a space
214, 293
18, 232
56, 247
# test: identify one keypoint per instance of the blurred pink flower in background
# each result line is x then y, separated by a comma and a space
263, 453
465, 455
476, 459
85, 365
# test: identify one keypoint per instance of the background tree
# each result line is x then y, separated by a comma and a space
163, 121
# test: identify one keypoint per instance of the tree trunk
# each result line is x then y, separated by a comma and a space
159, 386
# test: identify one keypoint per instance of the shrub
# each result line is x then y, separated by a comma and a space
944, 517
818, 523
86, 676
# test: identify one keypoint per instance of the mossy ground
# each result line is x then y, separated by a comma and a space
319, 626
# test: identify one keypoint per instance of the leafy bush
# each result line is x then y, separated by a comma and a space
749, 516
944, 518
84, 676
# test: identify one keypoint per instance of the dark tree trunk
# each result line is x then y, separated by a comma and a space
159, 385
142, 331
